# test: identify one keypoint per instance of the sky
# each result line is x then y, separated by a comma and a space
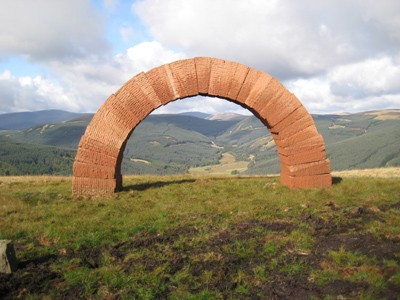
334, 55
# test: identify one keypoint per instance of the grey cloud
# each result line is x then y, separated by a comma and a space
32, 93
289, 39
48, 29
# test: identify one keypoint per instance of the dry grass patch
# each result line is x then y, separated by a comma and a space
390, 114
34, 179
378, 173
227, 165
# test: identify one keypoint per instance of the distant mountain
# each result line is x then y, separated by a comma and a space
196, 114
168, 144
206, 127
23, 120
227, 117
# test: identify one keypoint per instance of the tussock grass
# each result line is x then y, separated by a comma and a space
203, 237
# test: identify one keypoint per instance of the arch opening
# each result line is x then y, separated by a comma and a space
301, 149
214, 138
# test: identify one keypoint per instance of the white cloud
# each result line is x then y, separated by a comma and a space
32, 93
207, 105
362, 86
341, 55
285, 38
376, 77
145, 56
43, 29
83, 84
335, 55
314, 94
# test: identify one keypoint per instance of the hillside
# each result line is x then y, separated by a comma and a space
22, 158
23, 120
171, 144
362, 140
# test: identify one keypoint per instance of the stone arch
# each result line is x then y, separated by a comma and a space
301, 149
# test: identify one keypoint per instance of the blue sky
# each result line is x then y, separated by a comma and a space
336, 56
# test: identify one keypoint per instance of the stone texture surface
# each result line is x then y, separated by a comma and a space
301, 149
8, 259
183, 78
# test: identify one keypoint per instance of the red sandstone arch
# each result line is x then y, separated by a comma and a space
300, 147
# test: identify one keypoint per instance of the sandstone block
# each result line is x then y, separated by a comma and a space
135, 100
312, 155
297, 138
314, 142
104, 118
95, 158
297, 114
97, 146
93, 186
248, 84
93, 170
314, 181
118, 105
307, 169
146, 88
217, 86
260, 91
203, 70
281, 105
8, 259
107, 128
295, 127
184, 78
158, 78
131, 106
237, 78
226, 78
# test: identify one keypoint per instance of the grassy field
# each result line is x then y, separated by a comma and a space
192, 237
227, 166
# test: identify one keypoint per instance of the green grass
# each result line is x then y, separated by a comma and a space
187, 237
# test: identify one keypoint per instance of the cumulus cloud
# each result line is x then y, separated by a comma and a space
145, 56
286, 38
367, 85
32, 93
42, 29
372, 77
341, 55
83, 84
207, 105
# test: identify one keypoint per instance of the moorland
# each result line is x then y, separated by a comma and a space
204, 237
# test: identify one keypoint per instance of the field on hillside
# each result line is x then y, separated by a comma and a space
227, 166
203, 237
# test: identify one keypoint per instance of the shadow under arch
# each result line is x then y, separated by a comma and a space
301, 149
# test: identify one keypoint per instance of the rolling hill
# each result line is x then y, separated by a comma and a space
23, 120
170, 144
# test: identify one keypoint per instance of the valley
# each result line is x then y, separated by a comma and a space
200, 144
